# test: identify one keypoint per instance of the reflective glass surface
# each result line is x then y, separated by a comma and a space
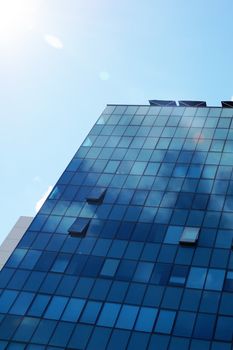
133, 247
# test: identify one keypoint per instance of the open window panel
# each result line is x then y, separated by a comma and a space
96, 196
79, 227
189, 236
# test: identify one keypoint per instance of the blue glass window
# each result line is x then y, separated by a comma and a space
110, 267
80, 336
22, 303
143, 272
224, 328
56, 307
44, 331
173, 234
16, 257
6, 300
39, 304
127, 317
73, 310
26, 329
146, 319
215, 279
109, 314
165, 321
61, 262
178, 275
196, 277
62, 334
91, 312
184, 323
204, 327
161, 274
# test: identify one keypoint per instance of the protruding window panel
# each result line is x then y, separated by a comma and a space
160, 103
227, 104
187, 103
79, 227
97, 195
190, 235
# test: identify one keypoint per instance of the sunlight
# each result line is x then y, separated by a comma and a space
16, 16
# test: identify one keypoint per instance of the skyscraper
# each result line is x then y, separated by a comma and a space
133, 247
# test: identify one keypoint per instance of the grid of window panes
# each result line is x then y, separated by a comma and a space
128, 283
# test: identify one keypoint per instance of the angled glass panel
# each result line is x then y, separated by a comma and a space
96, 195
189, 235
79, 227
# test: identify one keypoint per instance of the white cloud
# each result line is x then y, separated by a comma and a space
231, 98
104, 75
54, 41
42, 199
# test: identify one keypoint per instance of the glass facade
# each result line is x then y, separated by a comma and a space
133, 247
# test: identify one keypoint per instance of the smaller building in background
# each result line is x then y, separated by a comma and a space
13, 238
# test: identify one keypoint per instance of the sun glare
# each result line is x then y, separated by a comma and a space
16, 16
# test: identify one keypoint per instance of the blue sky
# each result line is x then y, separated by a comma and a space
62, 61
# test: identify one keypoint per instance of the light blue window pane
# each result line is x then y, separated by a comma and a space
173, 234
109, 314
190, 234
165, 321
127, 317
91, 312
73, 310
146, 319
22, 303
196, 277
138, 168
215, 279
39, 305
6, 300
110, 267
180, 170
56, 307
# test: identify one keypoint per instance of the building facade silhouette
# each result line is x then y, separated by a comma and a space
133, 247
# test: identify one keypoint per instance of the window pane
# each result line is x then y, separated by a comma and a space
127, 317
